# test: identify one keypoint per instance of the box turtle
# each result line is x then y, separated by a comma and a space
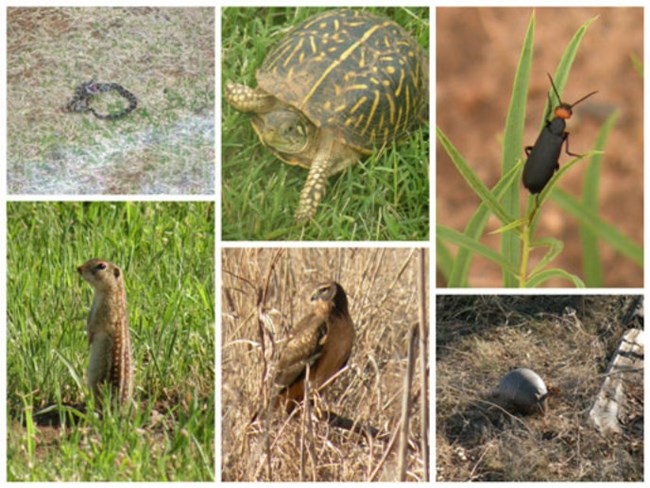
338, 86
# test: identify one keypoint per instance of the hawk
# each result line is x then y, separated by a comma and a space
323, 339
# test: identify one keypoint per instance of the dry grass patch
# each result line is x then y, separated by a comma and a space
164, 56
568, 341
382, 290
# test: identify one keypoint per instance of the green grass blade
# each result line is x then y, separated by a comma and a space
554, 273
459, 239
602, 230
513, 143
444, 259
566, 61
472, 180
554, 246
591, 262
71, 369
637, 64
474, 229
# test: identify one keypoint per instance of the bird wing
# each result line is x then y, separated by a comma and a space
303, 348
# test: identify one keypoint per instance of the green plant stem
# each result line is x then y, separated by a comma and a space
525, 251
526, 231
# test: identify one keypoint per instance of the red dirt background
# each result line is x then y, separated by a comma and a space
477, 54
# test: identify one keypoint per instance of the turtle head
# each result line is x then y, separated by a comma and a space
284, 130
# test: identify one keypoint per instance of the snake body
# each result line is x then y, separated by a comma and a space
84, 93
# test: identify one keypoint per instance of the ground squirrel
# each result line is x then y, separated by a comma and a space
108, 330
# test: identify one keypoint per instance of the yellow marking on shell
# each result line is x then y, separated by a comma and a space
391, 107
356, 106
380, 124
327, 106
296, 50
373, 109
345, 55
340, 108
399, 118
362, 60
407, 106
276, 56
398, 90
360, 118
337, 24
390, 69
312, 45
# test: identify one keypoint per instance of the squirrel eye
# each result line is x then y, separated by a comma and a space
101, 266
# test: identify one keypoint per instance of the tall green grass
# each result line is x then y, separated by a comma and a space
166, 251
383, 197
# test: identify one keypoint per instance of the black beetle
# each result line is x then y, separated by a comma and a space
544, 155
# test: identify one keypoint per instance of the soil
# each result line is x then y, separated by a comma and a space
477, 54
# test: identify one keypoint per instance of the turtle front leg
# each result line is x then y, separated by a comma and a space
247, 99
331, 157
314, 189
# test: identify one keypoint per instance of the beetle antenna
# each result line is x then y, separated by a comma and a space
558, 95
583, 98
554, 89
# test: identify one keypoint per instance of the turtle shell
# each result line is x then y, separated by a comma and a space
352, 72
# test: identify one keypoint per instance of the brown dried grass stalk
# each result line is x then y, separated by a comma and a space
265, 292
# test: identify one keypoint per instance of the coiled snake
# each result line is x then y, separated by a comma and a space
84, 93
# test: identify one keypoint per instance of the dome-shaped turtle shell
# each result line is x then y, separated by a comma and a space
362, 76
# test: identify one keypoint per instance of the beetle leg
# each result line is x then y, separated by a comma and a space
566, 148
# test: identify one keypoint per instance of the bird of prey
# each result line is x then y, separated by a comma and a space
323, 339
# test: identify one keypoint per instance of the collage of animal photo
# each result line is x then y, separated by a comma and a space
233, 254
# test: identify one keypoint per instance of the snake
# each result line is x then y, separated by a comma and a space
85, 92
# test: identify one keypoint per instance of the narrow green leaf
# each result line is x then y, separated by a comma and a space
444, 259
603, 230
474, 230
591, 261
472, 179
548, 274
637, 63
554, 246
513, 137
515, 224
459, 239
566, 61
